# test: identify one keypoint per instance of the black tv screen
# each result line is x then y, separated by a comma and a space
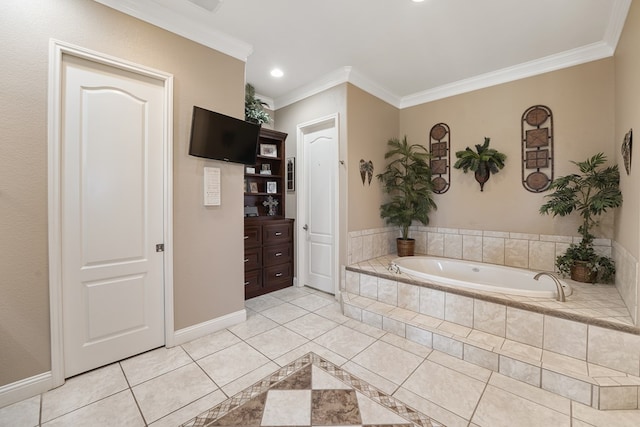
219, 137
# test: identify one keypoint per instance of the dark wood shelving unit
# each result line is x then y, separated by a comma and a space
268, 239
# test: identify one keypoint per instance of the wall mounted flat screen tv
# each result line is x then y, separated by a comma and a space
219, 137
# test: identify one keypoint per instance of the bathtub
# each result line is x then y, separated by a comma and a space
479, 276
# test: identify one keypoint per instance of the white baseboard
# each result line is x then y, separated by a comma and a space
24, 389
205, 328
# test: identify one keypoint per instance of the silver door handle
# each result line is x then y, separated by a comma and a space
305, 227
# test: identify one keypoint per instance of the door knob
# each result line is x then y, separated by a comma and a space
305, 227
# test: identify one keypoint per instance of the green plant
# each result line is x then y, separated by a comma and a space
483, 162
254, 107
590, 193
407, 180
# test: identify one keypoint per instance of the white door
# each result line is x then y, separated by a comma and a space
319, 215
112, 214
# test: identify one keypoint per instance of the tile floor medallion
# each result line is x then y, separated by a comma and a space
312, 391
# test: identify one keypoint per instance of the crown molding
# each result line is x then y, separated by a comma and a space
339, 76
617, 19
158, 15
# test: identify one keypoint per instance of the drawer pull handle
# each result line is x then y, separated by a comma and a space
278, 274
246, 260
246, 237
278, 233
246, 283
278, 253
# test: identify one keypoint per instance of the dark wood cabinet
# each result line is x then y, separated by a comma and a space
268, 239
268, 260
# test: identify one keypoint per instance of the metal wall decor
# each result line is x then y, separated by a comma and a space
366, 171
626, 148
537, 148
439, 147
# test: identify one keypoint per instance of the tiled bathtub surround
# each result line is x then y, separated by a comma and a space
627, 279
533, 251
598, 366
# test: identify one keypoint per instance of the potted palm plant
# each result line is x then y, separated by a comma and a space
483, 162
254, 107
590, 193
407, 180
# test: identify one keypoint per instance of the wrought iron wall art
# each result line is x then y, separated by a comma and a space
439, 147
627, 145
537, 148
366, 171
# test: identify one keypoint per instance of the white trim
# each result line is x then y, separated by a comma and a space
170, 20
618, 16
191, 333
56, 50
25, 388
555, 62
339, 76
301, 209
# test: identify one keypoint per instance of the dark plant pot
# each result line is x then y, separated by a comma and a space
406, 247
482, 178
580, 272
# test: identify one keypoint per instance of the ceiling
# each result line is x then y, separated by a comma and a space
406, 53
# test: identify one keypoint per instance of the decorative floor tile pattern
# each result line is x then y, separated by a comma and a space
292, 396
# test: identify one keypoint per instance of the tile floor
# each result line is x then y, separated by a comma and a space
168, 387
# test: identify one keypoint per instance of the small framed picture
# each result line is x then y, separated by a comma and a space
269, 150
265, 169
291, 174
250, 169
272, 187
253, 187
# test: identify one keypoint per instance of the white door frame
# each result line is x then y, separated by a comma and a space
301, 208
56, 51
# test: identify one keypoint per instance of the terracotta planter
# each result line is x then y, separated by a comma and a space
581, 273
406, 247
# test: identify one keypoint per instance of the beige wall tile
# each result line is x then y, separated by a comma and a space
409, 297
618, 398
614, 349
520, 371
453, 246
565, 337
435, 244
369, 286
542, 255
572, 388
524, 326
388, 291
447, 345
472, 247
353, 282
489, 317
493, 250
516, 253
481, 357
421, 336
432, 302
458, 309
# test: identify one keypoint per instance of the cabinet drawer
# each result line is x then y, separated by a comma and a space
252, 259
252, 236
276, 274
278, 254
277, 233
252, 283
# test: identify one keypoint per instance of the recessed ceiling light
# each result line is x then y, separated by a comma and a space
277, 72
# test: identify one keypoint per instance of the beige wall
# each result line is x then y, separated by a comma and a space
627, 64
371, 123
207, 272
582, 101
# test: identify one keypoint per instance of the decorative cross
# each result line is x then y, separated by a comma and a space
271, 203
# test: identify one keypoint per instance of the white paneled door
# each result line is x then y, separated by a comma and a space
320, 156
112, 214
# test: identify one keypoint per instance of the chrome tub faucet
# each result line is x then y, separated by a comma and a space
560, 294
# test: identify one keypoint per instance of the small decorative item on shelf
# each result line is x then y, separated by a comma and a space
253, 187
268, 150
272, 187
270, 203
250, 170
265, 169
